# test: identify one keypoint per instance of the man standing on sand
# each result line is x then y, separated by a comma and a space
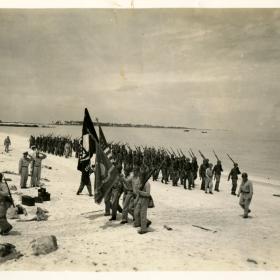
37, 167
246, 191
131, 185
209, 178
217, 170
23, 169
7, 143
234, 177
141, 205
85, 180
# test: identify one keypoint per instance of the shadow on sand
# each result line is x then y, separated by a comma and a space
110, 224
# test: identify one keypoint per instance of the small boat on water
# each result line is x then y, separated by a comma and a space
186, 130
203, 131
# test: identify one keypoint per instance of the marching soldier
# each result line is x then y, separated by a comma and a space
217, 170
141, 205
131, 186
117, 191
233, 175
208, 179
246, 193
202, 173
194, 170
23, 169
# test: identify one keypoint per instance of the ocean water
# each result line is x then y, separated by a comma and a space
258, 154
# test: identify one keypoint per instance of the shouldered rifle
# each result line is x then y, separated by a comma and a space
231, 159
201, 154
179, 153
173, 152
215, 155
193, 155
182, 153
10, 195
168, 152
149, 176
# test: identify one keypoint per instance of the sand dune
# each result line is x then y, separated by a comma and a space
89, 242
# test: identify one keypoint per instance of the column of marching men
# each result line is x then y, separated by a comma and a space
133, 166
176, 169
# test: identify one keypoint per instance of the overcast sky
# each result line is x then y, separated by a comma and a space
198, 68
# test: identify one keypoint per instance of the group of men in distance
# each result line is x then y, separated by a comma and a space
56, 145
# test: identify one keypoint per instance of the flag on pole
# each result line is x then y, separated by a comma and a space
88, 140
104, 145
106, 175
102, 139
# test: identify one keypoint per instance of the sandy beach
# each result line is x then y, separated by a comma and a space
87, 241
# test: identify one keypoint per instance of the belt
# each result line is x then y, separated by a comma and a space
24, 167
245, 192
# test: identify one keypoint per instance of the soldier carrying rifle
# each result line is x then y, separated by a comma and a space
217, 170
233, 175
202, 170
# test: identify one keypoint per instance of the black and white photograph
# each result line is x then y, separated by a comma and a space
139, 139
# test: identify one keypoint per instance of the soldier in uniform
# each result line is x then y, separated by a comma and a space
165, 168
23, 169
141, 205
188, 174
117, 191
209, 178
202, 173
85, 180
233, 175
37, 167
217, 171
246, 193
131, 185
5, 203
7, 143
194, 170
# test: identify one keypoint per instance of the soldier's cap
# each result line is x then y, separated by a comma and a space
33, 147
244, 175
235, 164
25, 153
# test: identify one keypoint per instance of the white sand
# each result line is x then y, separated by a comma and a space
89, 242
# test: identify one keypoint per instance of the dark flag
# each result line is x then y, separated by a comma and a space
106, 175
104, 145
88, 147
102, 139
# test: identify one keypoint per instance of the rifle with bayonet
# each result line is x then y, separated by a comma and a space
231, 159
190, 154
193, 155
201, 154
216, 155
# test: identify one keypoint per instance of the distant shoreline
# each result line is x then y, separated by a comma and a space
74, 123
18, 124
80, 123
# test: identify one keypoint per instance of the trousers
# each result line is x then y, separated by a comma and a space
140, 213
